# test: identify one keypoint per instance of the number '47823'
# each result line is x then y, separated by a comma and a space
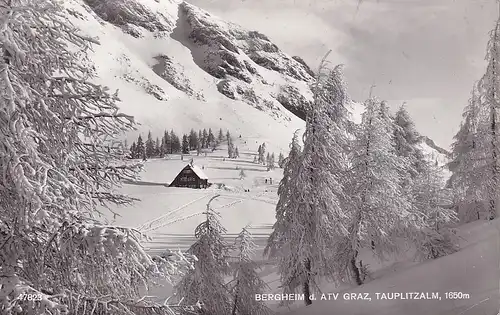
30, 297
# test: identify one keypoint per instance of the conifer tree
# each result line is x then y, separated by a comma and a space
193, 140
166, 143
242, 174
185, 144
247, 283
287, 203
162, 150
230, 149
379, 207
272, 162
236, 152
205, 283
174, 142
407, 141
465, 155
211, 138
281, 158
150, 146
60, 159
489, 89
157, 147
315, 217
140, 148
198, 148
133, 151
205, 139
262, 154
437, 238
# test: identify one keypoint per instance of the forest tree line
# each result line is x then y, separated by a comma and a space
171, 143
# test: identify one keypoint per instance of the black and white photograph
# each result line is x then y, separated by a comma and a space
250, 157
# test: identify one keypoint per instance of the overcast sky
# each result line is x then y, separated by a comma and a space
425, 52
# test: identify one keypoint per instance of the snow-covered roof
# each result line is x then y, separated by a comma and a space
198, 171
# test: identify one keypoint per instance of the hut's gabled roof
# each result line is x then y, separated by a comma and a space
198, 171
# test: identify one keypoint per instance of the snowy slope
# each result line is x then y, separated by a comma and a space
473, 271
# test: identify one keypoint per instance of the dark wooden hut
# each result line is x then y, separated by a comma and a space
191, 176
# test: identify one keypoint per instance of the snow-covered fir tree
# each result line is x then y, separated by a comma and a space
150, 146
205, 283
464, 182
259, 154
311, 208
476, 151
486, 168
236, 152
175, 145
157, 147
287, 203
185, 144
242, 174
230, 149
437, 237
61, 157
133, 150
140, 148
246, 281
380, 211
211, 138
407, 141
262, 153
204, 139
281, 158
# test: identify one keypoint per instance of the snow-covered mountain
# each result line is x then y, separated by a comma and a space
177, 66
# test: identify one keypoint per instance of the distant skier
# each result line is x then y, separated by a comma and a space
266, 181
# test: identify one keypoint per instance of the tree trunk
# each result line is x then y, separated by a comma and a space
494, 147
355, 269
494, 169
235, 298
305, 287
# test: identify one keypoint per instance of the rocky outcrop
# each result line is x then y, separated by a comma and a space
174, 74
231, 51
151, 89
266, 54
227, 88
293, 100
433, 145
129, 15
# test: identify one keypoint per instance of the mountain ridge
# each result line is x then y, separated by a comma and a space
178, 66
